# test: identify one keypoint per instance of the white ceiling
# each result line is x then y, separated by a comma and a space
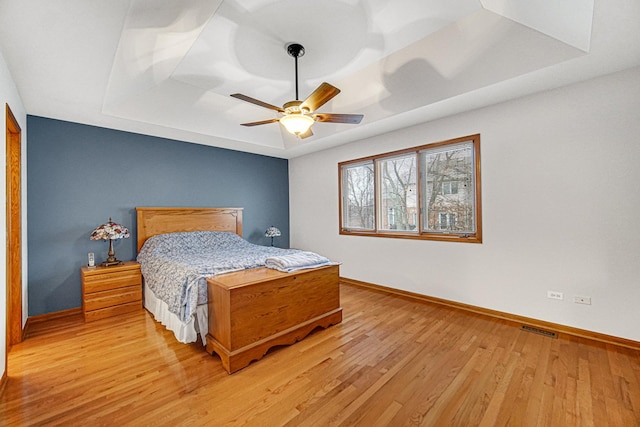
167, 68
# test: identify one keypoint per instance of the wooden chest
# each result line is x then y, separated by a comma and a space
251, 311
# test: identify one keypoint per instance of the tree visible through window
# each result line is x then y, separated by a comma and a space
359, 207
399, 198
427, 192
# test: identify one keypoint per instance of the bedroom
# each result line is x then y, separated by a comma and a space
559, 170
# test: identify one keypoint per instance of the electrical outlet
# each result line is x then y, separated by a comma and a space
555, 295
582, 300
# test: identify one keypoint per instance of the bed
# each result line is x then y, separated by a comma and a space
238, 312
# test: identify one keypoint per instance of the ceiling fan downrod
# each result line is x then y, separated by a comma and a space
296, 50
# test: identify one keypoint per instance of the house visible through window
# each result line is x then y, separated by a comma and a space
427, 192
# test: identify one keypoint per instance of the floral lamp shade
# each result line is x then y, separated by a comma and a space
110, 231
272, 232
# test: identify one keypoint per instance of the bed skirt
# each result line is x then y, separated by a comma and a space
184, 332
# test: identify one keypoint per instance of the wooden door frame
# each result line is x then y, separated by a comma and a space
14, 231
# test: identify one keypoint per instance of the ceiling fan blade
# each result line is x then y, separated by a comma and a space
339, 118
307, 134
263, 122
256, 102
319, 97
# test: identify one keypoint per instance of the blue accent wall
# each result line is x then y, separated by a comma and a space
79, 176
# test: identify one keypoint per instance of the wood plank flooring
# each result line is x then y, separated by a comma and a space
392, 362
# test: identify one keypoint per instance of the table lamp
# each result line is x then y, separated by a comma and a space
110, 231
272, 232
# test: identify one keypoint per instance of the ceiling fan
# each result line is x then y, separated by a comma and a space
298, 116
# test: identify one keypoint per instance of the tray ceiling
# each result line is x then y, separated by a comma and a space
167, 68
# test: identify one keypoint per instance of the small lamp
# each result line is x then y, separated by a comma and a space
272, 232
110, 231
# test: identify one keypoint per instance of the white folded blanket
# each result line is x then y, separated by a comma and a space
297, 261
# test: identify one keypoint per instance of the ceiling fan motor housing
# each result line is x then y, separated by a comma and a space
293, 107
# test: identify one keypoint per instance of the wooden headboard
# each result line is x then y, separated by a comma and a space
152, 221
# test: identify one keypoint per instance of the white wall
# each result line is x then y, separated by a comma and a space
561, 205
9, 95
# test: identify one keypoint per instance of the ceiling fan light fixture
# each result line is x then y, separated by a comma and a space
297, 124
298, 116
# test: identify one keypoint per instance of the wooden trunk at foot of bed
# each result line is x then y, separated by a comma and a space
251, 311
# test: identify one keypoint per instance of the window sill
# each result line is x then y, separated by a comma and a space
459, 238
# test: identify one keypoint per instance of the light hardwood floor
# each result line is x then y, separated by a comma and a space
392, 362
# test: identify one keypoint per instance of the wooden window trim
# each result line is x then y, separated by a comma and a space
419, 234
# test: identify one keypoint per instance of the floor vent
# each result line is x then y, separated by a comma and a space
539, 331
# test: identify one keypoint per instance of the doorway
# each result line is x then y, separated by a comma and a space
14, 231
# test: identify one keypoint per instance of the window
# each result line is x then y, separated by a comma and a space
448, 203
427, 192
450, 187
358, 209
397, 177
447, 221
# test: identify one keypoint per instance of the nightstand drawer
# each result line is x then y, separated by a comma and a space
90, 316
107, 281
98, 300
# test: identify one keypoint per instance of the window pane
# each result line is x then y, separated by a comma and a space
449, 187
399, 201
358, 197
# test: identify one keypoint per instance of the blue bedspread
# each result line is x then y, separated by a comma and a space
175, 265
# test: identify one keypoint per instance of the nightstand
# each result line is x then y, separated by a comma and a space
109, 291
